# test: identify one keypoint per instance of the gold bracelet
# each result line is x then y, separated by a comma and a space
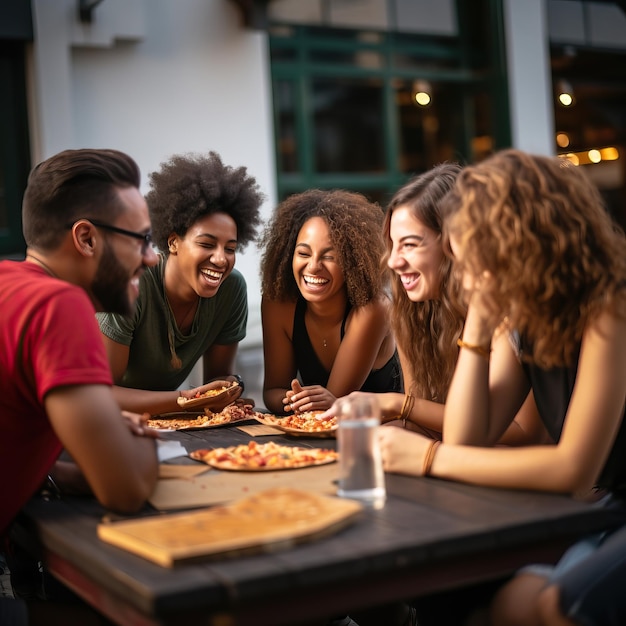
430, 456
484, 352
407, 406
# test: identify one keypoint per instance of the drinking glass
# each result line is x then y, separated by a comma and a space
361, 475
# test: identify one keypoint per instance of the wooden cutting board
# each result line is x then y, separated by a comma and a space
266, 521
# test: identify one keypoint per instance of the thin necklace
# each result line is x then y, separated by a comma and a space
175, 360
40, 262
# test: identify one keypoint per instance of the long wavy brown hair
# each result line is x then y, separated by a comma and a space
427, 331
354, 226
538, 226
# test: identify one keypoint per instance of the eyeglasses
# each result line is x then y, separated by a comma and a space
146, 238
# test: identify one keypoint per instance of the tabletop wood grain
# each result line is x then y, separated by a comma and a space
430, 536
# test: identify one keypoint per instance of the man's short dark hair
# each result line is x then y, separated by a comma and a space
70, 185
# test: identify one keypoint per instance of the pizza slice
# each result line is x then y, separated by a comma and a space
263, 457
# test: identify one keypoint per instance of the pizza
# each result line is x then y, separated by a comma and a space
210, 394
305, 422
228, 415
263, 457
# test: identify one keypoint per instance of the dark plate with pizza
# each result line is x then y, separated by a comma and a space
196, 420
303, 424
263, 457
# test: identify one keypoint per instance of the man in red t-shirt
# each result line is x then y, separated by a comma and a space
87, 231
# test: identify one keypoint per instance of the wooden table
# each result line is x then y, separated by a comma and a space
432, 535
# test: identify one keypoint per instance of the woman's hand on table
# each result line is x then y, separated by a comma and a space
311, 398
403, 452
388, 402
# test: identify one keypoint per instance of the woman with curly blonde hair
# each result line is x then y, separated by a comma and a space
325, 312
544, 271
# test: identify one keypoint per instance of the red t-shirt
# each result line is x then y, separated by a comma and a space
49, 338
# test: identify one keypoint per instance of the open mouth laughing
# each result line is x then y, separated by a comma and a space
212, 276
409, 280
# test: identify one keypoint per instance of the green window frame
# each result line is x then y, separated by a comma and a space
303, 57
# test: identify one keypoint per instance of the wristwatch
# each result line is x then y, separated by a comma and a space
240, 381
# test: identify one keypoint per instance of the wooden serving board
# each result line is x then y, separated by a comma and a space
266, 521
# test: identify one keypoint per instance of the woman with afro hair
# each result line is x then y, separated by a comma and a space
193, 304
324, 308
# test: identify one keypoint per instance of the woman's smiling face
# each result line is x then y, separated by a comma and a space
206, 254
315, 264
416, 255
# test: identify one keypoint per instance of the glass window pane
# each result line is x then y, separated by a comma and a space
433, 53
365, 59
359, 14
285, 106
426, 16
452, 126
348, 125
297, 11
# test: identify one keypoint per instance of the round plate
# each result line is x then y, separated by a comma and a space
182, 420
272, 420
239, 462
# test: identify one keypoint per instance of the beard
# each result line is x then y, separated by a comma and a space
110, 285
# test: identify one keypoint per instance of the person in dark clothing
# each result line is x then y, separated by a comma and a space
544, 272
325, 310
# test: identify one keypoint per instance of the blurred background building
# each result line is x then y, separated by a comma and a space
359, 94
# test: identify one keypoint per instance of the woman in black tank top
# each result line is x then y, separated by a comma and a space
544, 271
325, 311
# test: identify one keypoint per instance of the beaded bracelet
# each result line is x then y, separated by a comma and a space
430, 456
484, 352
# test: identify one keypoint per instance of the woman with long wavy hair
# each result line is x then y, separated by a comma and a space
427, 313
544, 272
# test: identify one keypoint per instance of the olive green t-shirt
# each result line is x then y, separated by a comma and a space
219, 320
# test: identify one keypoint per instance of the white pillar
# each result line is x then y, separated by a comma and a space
529, 75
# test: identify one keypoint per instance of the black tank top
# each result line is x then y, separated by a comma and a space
312, 371
553, 389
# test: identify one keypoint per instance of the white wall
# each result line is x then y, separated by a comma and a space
154, 78
530, 83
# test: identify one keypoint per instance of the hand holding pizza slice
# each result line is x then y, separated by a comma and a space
214, 395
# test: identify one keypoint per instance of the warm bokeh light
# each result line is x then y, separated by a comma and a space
562, 140
609, 154
571, 157
422, 98
589, 157
566, 99
594, 156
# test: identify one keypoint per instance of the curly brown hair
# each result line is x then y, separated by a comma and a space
538, 226
427, 331
355, 232
190, 186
